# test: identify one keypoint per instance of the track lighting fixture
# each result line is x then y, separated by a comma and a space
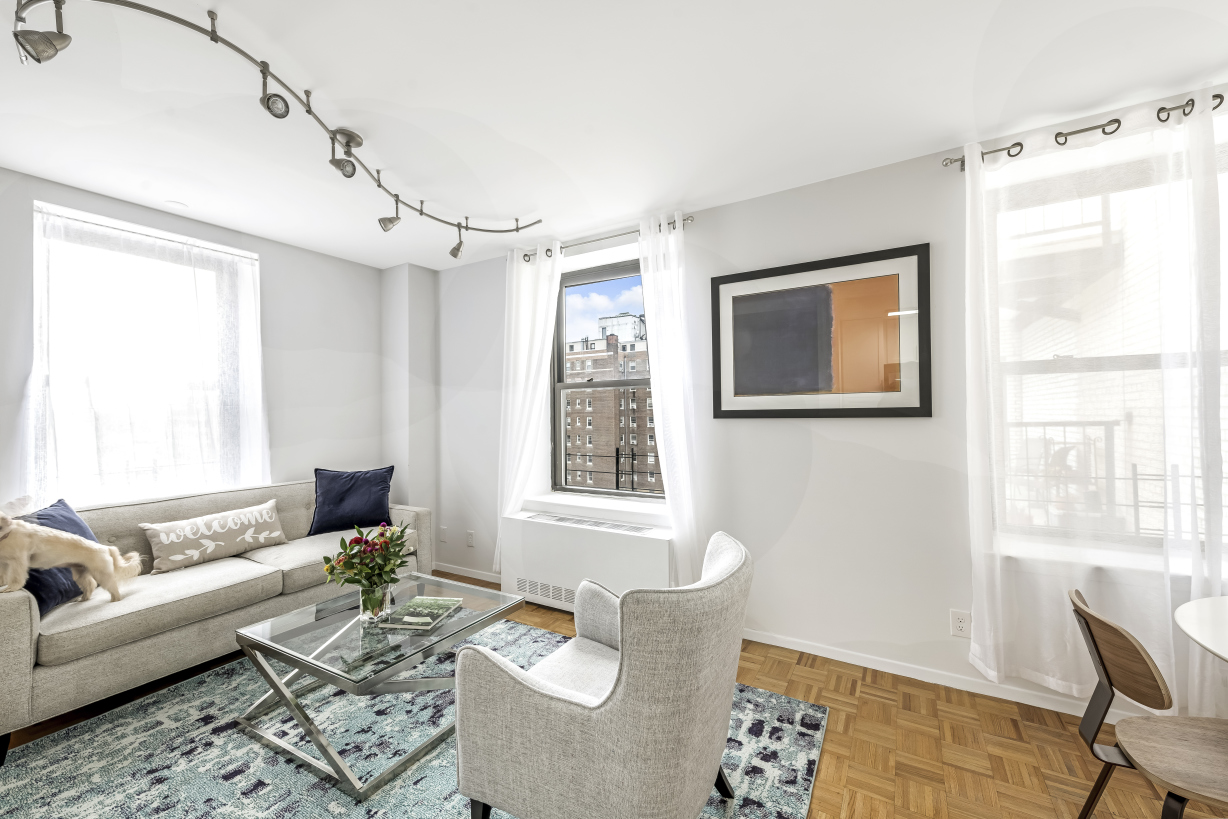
389, 222
41, 46
345, 165
275, 104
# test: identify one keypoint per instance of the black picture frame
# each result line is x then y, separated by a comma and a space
924, 408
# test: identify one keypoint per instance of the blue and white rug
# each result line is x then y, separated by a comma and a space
178, 753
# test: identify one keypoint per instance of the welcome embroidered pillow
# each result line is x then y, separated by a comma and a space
184, 543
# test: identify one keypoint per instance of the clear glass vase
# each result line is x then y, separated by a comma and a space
375, 603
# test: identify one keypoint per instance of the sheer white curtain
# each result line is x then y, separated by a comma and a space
524, 421
663, 272
1094, 329
147, 378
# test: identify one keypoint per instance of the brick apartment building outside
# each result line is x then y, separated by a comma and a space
601, 418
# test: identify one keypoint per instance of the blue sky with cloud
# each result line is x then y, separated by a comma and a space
588, 302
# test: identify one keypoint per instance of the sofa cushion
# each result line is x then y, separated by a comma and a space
182, 543
348, 499
302, 561
153, 604
584, 666
55, 586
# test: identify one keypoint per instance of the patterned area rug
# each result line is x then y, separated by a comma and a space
178, 753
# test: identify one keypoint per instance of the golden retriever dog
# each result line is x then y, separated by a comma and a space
25, 546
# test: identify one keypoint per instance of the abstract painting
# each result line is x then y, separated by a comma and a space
837, 337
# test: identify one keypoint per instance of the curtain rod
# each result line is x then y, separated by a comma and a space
1062, 137
686, 220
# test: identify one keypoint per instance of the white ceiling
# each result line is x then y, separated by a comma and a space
586, 115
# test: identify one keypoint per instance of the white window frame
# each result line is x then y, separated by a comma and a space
611, 377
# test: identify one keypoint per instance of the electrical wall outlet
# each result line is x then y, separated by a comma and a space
469, 538
443, 534
961, 623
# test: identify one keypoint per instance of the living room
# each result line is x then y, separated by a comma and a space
660, 411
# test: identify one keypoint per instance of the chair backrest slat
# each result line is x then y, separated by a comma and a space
1130, 668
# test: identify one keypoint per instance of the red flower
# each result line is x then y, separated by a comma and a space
354, 541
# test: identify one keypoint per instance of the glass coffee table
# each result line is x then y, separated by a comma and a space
329, 643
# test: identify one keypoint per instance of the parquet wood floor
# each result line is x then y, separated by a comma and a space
899, 748
896, 748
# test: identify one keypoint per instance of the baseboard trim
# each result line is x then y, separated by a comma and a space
977, 685
467, 572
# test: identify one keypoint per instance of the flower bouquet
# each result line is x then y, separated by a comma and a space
370, 560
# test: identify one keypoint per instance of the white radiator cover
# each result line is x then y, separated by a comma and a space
545, 560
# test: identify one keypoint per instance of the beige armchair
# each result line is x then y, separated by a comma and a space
630, 718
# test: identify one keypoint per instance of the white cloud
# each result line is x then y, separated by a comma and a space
583, 310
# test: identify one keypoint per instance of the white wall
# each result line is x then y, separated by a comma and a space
857, 525
322, 363
471, 302
409, 300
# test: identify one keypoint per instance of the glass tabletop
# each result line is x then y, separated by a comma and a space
331, 638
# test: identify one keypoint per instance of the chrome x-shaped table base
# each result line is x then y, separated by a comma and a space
334, 768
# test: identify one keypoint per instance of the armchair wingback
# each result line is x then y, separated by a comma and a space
630, 718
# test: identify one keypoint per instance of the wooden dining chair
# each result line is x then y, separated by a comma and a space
1186, 757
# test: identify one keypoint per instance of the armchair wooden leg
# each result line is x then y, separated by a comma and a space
4, 747
1102, 782
724, 788
1174, 806
480, 809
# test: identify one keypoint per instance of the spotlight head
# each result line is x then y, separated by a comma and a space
457, 249
389, 222
346, 166
276, 105
41, 46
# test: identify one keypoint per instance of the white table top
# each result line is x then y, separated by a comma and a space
1206, 623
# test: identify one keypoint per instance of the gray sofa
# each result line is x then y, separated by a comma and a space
82, 652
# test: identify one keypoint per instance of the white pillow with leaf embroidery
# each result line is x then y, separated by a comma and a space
184, 543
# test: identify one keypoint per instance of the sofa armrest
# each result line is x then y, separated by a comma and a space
597, 614
423, 525
18, 646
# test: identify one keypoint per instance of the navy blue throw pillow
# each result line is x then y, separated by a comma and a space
53, 587
348, 499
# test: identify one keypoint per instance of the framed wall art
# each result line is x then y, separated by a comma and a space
837, 338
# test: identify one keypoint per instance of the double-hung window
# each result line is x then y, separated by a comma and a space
601, 321
146, 378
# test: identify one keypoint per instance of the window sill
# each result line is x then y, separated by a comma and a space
644, 511
1082, 553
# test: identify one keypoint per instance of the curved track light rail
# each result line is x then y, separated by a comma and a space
268, 74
